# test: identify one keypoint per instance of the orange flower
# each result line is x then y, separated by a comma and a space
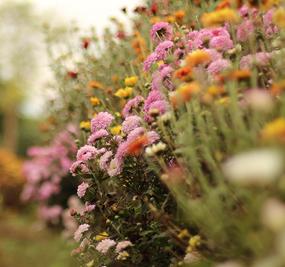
236, 75
94, 85
197, 57
135, 148
184, 93
183, 74
278, 88
179, 15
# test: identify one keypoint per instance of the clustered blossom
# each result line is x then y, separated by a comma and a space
101, 121
45, 170
80, 231
81, 190
161, 31
104, 245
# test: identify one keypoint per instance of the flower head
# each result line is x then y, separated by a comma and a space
161, 31
101, 121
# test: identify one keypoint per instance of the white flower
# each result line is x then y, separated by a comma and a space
258, 167
154, 149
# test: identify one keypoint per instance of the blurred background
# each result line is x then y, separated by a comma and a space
24, 90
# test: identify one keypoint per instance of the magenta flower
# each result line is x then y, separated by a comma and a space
101, 121
162, 49
161, 31
81, 190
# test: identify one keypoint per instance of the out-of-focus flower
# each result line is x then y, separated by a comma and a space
219, 65
220, 17
95, 85
257, 167
274, 130
259, 99
245, 30
273, 214
260, 59
130, 123
131, 81
124, 92
95, 101
85, 125
279, 17
198, 57
229, 264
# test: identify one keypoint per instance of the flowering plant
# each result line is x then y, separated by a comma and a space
181, 155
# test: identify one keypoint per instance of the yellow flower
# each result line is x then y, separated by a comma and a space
101, 236
95, 101
124, 92
195, 241
219, 17
131, 81
279, 17
170, 19
86, 125
118, 114
123, 255
183, 233
274, 130
116, 130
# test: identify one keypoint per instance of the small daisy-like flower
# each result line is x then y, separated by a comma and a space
161, 31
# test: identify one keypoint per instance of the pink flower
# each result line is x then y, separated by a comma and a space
86, 153
150, 60
115, 167
101, 121
160, 53
81, 190
132, 104
104, 160
162, 49
245, 30
269, 27
104, 245
161, 31
130, 123
260, 59
89, 207
79, 232
50, 213
219, 65
221, 43
97, 135
122, 245
78, 165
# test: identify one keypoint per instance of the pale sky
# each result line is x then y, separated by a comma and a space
87, 13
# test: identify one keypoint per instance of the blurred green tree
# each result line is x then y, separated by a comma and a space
20, 33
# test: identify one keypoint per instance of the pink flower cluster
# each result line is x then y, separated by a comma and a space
45, 170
